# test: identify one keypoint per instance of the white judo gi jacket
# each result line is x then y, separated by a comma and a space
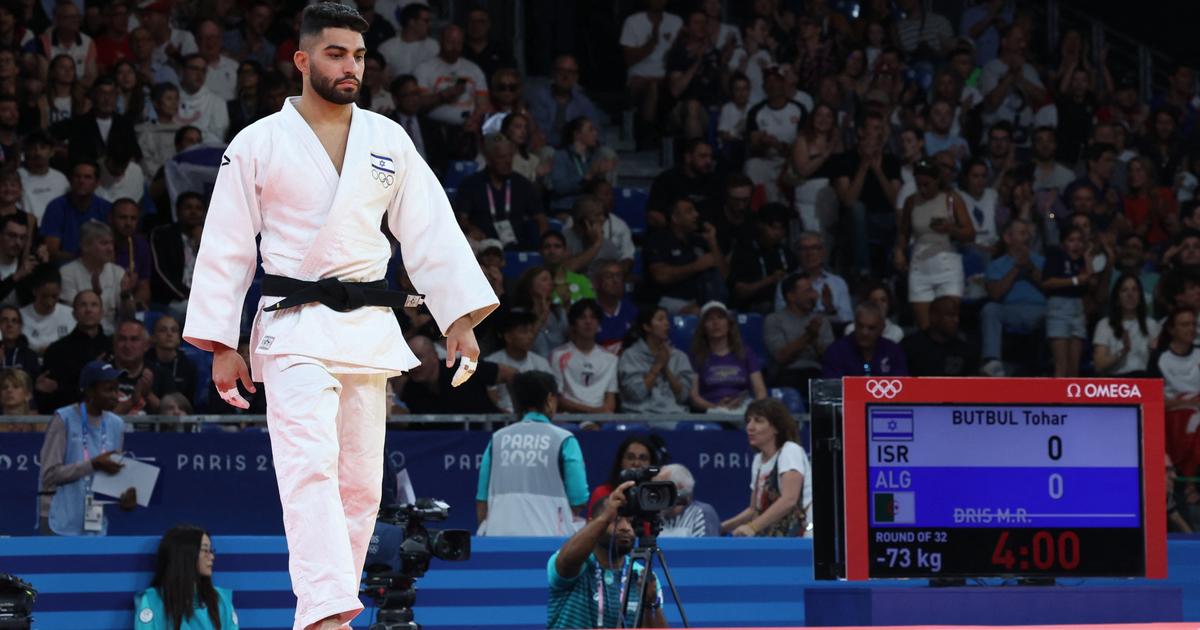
276, 180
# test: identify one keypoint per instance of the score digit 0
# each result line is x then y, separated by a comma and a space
1054, 446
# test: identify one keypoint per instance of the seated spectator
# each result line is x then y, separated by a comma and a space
867, 179
689, 518
222, 75
1177, 361
1049, 173
1066, 277
1101, 160
732, 218
569, 287
865, 353
174, 247
1122, 343
46, 319
1131, 261
694, 76
156, 136
244, 107
518, 332
65, 214
174, 372
878, 293
130, 247
151, 67
121, 177
923, 35
200, 106
1149, 208
11, 197
535, 294
579, 161
731, 121
412, 46
758, 264
373, 93
589, 568
18, 265
751, 60
593, 234
58, 384
780, 478
832, 292
728, 374
942, 349
498, 203
544, 496
532, 165
1001, 154
453, 89
17, 353
587, 375
426, 136
685, 264
796, 337
635, 451
182, 592
40, 183
426, 388
139, 381
95, 270
941, 135
16, 399
1010, 85
655, 377
563, 99
81, 441
91, 135
619, 311
487, 53
176, 405
771, 128
936, 221
646, 37
1014, 286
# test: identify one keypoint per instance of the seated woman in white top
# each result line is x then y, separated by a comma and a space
1121, 343
1177, 361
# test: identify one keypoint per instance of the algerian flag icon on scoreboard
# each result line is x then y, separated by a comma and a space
895, 507
892, 425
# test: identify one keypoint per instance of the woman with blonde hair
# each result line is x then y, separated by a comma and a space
16, 396
728, 374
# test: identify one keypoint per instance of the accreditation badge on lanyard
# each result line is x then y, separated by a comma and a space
504, 227
93, 514
603, 580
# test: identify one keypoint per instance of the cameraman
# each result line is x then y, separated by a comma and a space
585, 574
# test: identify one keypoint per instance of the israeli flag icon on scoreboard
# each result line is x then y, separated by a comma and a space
895, 507
891, 425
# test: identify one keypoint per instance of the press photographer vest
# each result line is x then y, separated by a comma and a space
526, 493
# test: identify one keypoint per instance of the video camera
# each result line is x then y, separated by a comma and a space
647, 498
16, 602
400, 551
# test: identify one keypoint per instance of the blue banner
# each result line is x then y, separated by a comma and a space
225, 481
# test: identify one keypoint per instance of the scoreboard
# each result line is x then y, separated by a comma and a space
948, 478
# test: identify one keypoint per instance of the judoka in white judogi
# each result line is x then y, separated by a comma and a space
324, 370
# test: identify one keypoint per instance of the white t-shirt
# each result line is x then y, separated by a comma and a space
403, 57
1015, 108
205, 111
584, 378
782, 124
754, 70
182, 40
733, 119
80, 51
1058, 179
636, 31
727, 31
43, 331
1181, 374
221, 79
76, 278
983, 216
1139, 345
532, 362
132, 184
40, 190
790, 457
891, 331
435, 75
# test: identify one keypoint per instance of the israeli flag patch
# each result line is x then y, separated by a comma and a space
383, 163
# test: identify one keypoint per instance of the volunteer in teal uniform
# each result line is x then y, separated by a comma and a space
182, 595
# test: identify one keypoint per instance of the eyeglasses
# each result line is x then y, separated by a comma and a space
211, 551
506, 87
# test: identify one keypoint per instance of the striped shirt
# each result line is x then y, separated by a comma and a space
575, 602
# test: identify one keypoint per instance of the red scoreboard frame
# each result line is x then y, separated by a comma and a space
857, 392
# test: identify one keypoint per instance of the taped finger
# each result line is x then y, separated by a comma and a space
466, 368
233, 397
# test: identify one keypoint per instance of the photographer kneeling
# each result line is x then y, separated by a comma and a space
585, 574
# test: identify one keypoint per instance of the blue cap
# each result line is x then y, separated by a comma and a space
96, 372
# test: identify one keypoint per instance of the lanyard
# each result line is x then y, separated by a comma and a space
507, 199
577, 161
132, 258
601, 591
87, 432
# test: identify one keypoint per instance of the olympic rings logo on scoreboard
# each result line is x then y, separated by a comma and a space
884, 388
1103, 390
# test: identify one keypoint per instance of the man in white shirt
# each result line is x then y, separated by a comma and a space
645, 39
120, 176
453, 88
1011, 86
46, 320
221, 78
199, 106
40, 183
1049, 173
65, 38
586, 373
517, 331
412, 46
170, 43
94, 270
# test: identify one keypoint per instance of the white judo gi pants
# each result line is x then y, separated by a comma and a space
327, 431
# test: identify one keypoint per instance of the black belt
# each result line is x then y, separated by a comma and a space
337, 295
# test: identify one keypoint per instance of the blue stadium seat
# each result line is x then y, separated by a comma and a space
682, 329
203, 361
456, 172
149, 318
637, 261
790, 397
625, 426
750, 325
630, 205
515, 263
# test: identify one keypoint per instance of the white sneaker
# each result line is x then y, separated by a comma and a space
993, 367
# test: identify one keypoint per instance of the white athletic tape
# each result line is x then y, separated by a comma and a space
466, 368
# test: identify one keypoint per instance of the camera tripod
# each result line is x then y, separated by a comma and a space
646, 551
